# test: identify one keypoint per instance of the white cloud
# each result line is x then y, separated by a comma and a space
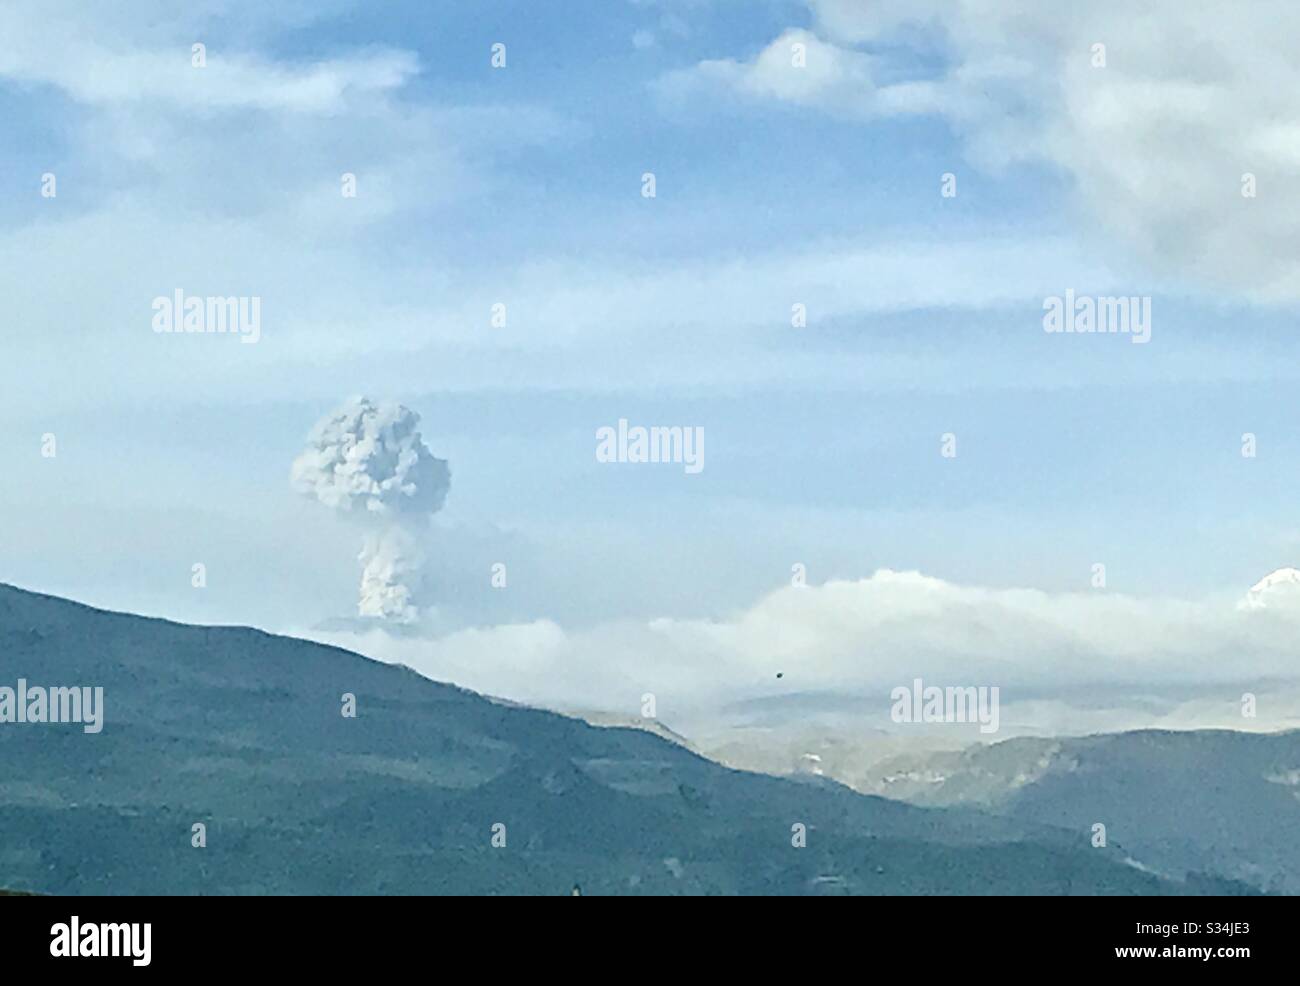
1192, 97
79, 60
800, 69
599, 325
229, 81
227, 180
864, 637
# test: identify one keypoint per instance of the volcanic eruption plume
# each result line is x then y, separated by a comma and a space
368, 462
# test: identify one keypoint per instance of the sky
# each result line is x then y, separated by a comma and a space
800, 152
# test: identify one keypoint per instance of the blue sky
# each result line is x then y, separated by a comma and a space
522, 185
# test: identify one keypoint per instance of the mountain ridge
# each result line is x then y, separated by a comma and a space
241, 731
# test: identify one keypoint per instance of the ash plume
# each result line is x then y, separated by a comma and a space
369, 462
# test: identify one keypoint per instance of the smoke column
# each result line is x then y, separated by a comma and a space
368, 462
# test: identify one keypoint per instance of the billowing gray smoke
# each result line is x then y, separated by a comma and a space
368, 461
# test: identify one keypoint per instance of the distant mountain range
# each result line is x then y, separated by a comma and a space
242, 732
1208, 800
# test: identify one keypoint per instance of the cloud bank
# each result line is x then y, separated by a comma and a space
862, 638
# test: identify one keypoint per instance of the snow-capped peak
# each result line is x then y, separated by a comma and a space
1284, 580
